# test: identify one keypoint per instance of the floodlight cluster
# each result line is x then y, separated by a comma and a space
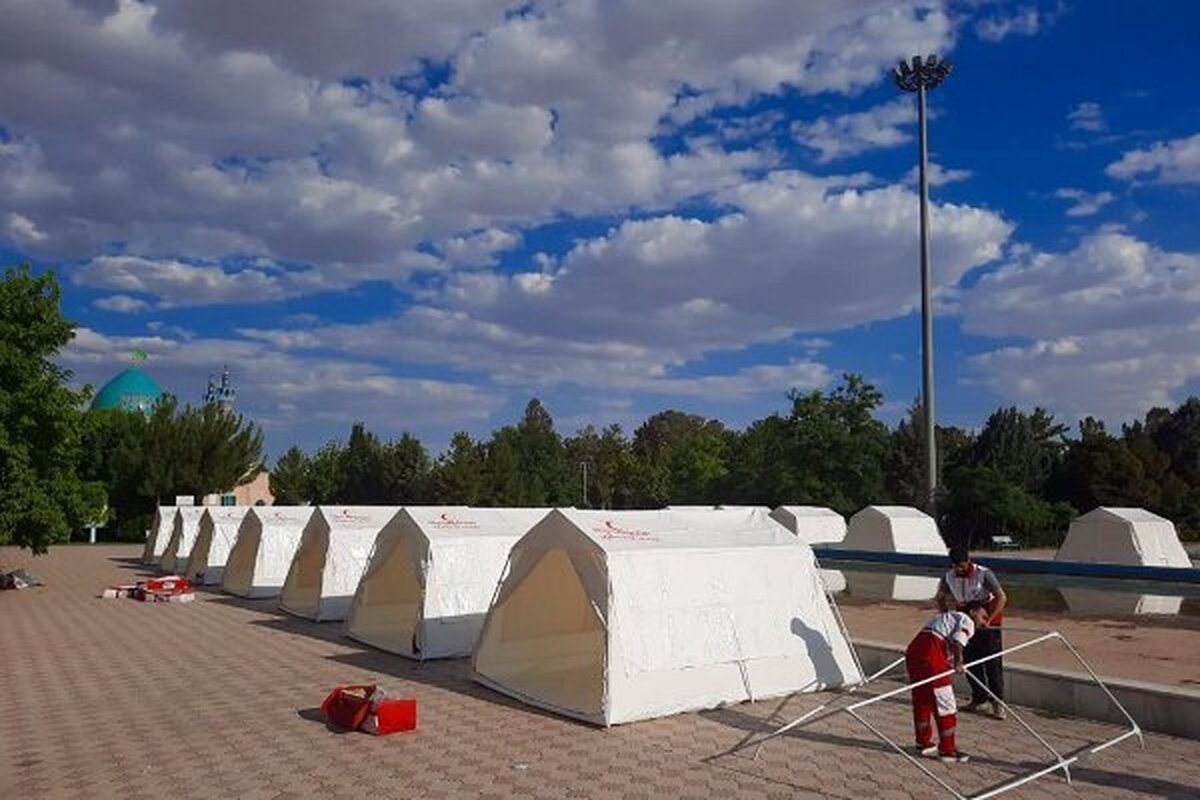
928, 73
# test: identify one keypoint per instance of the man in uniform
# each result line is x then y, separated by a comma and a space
967, 582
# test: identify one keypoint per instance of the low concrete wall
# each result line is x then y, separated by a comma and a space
1163, 709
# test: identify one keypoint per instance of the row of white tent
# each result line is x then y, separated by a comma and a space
604, 616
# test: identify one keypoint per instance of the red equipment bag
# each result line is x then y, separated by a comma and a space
347, 706
391, 716
168, 584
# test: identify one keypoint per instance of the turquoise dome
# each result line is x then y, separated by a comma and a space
132, 390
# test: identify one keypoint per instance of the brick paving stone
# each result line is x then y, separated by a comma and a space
117, 699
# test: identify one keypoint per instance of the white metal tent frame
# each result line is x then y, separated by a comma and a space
1060, 762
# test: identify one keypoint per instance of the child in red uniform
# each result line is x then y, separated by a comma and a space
936, 649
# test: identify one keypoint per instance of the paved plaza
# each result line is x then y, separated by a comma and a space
119, 699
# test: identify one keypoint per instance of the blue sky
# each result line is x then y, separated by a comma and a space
421, 214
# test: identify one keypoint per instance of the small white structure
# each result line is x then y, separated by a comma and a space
812, 524
432, 576
1132, 536
612, 617
183, 536
160, 534
894, 529
216, 537
266, 544
333, 553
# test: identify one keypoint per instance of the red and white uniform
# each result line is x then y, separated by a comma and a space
980, 584
928, 655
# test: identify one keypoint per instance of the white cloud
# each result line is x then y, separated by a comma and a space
121, 303
1175, 161
850, 134
1087, 116
1084, 204
22, 230
938, 175
794, 253
285, 393
190, 135
1112, 325
1024, 21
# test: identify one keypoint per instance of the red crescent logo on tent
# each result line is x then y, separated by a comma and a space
611, 530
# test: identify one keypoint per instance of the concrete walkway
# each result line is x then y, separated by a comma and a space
118, 699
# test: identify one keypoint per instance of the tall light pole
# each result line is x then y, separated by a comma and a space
920, 76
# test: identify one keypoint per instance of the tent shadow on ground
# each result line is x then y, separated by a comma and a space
449, 674
134, 565
284, 622
264, 605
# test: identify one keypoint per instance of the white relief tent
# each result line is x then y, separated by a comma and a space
183, 536
216, 536
894, 529
333, 553
1132, 536
431, 577
612, 617
266, 544
160, 534
812, 524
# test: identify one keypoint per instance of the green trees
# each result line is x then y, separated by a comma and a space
458, 477
678, 459
143, 462
838, 448
42, 497
289, 479
1022, 474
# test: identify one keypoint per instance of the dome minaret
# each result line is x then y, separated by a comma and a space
223, 393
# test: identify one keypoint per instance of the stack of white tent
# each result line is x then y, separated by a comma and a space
611, 617
333, 553
217, 534
894, 529
1132, 536
812, 524
183, 536
266, 544
160, 534
432, 575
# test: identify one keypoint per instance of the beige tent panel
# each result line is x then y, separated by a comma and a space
550, 654
160, 534
329, 563
183, 536
266, 544
217, 534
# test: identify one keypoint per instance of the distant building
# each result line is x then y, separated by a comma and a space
131, 390
254, 492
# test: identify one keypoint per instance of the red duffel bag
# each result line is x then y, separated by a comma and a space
347, 706
391, 716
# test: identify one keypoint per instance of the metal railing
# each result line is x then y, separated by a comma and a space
1060, 763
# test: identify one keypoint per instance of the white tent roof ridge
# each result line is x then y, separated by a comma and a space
812, 524
1127, 513
665, 528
